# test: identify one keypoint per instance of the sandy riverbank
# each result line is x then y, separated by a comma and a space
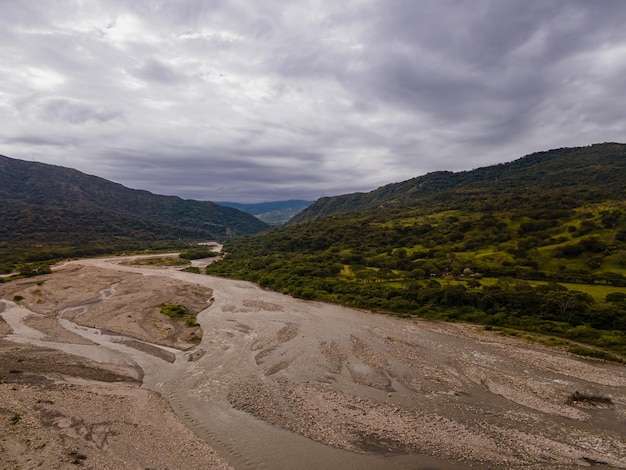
277, 380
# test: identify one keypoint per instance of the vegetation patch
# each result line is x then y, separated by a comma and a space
159, 261
194, 338
593, 353
198, 252
174, 311
76, 458
16, 418
578, 398
180, 313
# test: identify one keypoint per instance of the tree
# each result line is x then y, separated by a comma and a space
615, 297
566, 301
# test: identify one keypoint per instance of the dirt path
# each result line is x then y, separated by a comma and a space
277, 380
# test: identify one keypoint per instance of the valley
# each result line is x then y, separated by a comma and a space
451, 321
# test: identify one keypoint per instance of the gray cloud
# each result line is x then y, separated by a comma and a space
153, 70
73, 112
252, 101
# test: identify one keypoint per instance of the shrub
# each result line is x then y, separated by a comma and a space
191, 322
198, 253
16, 418
595, 400
173, 310
615, 297
167, 261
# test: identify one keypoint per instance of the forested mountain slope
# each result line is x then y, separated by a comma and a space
564, 177
53, 207
538, 244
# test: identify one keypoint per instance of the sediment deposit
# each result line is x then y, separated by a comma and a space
275, 381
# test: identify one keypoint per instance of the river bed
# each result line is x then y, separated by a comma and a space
278, 383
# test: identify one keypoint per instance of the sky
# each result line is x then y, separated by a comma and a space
251, 101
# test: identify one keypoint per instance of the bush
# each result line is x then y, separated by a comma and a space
16, 418
173, 310
167, 261
615, 297
198, 253
578, 397
191, 322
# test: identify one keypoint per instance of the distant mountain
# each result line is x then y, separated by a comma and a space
50, 205
594, 173
276, 212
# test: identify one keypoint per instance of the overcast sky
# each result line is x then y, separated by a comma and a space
260, 100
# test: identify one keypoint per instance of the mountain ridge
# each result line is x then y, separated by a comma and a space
439, 187
58, 206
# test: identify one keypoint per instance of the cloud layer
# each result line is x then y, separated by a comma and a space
253, 101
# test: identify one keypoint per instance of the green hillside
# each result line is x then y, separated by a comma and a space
564, 178
49, 212
538, 245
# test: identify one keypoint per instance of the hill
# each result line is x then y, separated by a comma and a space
538, 244
564, 178
47, 210
274, 212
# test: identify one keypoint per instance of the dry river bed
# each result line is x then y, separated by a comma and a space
265, 381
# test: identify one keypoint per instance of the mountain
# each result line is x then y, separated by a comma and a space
49, 205
275, 212
562, 177
538, 245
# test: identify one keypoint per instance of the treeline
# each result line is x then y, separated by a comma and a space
549, 308
29, 259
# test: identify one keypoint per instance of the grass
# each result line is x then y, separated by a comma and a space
178, 312
593, 353
597, 291
191, 322
194, 338
174, 311
560, 343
